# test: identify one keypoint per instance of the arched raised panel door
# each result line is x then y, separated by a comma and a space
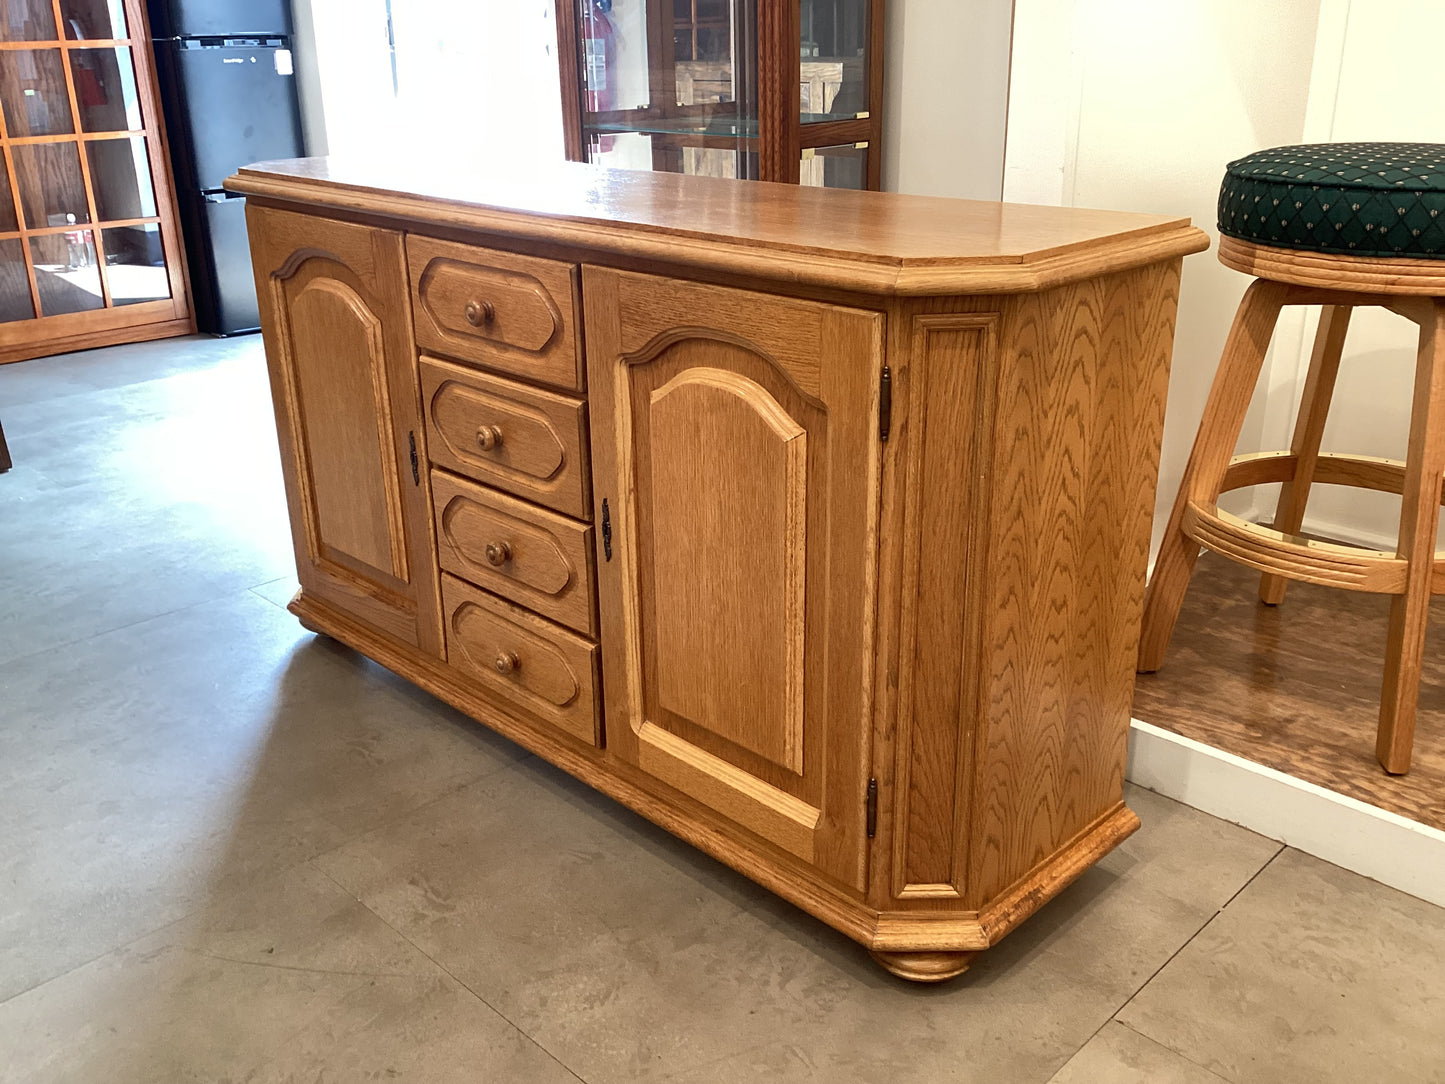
735, 440
333, 299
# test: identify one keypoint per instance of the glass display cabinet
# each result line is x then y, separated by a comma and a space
89, 246
773, 90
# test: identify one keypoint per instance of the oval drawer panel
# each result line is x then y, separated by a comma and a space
533, 557
546, 671
524, 440
497, 309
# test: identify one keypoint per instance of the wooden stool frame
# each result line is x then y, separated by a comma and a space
1415, 571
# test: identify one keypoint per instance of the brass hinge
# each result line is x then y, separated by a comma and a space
872, 808
606, 530
415, 465
885, 403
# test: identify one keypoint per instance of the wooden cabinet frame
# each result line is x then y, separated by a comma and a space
44, 335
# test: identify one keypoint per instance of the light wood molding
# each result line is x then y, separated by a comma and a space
841, 585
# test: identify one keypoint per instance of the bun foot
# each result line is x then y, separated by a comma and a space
924, 966
309, 627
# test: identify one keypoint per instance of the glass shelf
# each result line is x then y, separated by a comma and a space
724, 127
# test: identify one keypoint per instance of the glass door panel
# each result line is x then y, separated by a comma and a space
66, 272
15, 302
52, 189
670, 84
32, 85
105, 91
135, 264
27, 20
834, 52
9, 223
120, 175
835, 167
93, 19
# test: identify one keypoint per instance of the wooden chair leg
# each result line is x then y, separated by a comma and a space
1219, 428
1314, 408
1419, 517
5, 463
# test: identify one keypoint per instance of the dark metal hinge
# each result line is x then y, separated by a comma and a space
415, 465
872, 808
885, 403
606, 530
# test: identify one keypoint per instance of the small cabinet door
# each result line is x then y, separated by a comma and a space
333, 299
735, 443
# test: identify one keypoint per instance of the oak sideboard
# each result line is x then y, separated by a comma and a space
811, 525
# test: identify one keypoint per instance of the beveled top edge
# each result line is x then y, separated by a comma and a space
869, 241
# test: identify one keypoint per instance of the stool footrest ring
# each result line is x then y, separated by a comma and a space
1360, 471
1350, 568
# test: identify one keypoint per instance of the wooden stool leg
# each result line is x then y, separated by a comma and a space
1314, 408
1219, 428
1419, 517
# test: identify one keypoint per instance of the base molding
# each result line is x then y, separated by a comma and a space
922, 945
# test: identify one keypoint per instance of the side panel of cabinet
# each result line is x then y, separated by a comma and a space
735, 440
334, 310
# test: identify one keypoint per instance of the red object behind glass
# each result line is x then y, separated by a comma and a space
599, 59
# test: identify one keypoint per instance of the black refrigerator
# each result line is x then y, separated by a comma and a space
229, 92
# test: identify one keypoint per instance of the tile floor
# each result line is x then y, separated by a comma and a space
230, 851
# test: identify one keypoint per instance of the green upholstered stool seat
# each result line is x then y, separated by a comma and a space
1355, 199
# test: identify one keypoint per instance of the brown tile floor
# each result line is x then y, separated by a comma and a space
1297, 686
233, 852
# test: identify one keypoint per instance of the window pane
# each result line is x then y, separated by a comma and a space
27, 20
836, 167
8, 221
120, 174
36, 101
105, 90
93, 18
51, 186
135, 264
835, 59
15, 303
66, 272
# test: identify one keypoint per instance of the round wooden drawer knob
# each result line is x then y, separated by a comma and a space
498, 554
480, 313
489, 437
507, 663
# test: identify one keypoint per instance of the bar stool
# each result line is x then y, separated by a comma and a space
1339, 225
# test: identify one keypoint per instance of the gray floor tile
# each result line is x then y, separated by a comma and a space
1311, 974
280, 592
115, 367
139, 500
292, 980
631, 957
145, 770
1119, 1055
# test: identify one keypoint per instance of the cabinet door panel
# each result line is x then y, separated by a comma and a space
333, 304
735, 439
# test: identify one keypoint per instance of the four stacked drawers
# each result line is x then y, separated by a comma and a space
511, 481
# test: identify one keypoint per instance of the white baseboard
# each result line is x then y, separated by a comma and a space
1384, 846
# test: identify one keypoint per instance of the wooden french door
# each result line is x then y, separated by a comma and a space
736, 449
89, 244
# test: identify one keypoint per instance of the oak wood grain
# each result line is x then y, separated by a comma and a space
533, 557
879, 243
537, 666
500, 310
338, 341
542, 453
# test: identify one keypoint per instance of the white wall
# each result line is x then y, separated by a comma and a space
1138, 105
946, 97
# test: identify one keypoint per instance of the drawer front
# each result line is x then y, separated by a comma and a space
497, 309
533, 557
527, 441
532, 664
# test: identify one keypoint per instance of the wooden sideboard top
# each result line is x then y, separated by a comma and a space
873, 242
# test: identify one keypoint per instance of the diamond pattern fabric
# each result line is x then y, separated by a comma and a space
1358, 199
